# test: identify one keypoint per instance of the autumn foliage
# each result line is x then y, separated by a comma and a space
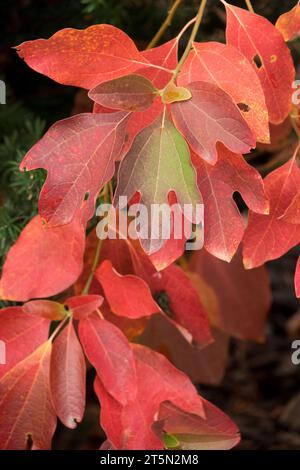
147, 324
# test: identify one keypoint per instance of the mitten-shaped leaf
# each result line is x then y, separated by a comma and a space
109, 352
223, 223
221, 64
270, 57
26, 411
42, 273
128, 296
79, 154
129, 93
22, 334
83, 58
67, 377
211, 116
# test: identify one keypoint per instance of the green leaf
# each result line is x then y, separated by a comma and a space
157, 163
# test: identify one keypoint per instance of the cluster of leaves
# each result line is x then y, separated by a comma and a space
175, 130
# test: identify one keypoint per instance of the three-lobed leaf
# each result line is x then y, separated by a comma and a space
157, 163
223, 224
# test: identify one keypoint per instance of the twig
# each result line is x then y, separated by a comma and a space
165, 24
107, 189
249, 6
191, 40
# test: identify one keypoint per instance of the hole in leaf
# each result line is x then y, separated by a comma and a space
257, 60
86, 196
29, 442
66, 307
243, 107
163, 301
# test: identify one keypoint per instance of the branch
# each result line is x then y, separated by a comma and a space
165, 24
191, 40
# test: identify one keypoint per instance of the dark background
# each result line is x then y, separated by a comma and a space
261, 389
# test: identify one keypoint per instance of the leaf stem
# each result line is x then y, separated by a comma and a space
106, 191
191, 39
58, 329
186, 27
249, 6
165, 24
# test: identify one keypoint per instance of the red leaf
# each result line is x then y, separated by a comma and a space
173, 247
223, 223
271, 57
128, 296
25, 403
21, 333
211, 116
241, 314
83, 305
42, 273
214, 432
54, 311
162, 56
83, 58
128, 93
79, 154
175, 291
289, 23
292, 213
109, 352
130, 427
297, 278
67, 377
268, 237
221, 64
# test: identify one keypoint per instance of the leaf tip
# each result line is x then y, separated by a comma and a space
247, 262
